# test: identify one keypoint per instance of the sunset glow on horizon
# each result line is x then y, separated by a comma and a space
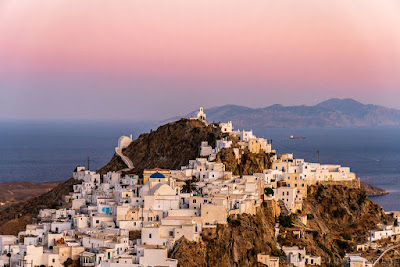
181, 54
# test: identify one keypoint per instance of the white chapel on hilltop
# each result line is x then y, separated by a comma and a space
200, 115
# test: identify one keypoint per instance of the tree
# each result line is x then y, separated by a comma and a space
68, 262
268, 191
190, 186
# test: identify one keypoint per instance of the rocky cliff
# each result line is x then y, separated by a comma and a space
170, 146
235, 244
371, 190
338, 218
248, 164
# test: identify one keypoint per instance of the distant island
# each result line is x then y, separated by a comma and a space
331, 113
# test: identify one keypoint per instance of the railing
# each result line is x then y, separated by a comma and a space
124, 158
384, 252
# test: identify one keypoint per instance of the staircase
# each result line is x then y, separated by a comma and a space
377, 259
284, 210
124, 158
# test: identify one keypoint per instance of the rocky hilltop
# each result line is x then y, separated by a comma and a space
331, 113
171, 146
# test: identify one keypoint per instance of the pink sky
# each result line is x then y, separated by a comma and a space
178, 55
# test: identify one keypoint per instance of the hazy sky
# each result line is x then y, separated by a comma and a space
155, 59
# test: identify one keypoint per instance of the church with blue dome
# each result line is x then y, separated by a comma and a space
157, 175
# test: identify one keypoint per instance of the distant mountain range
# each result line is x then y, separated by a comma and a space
331, 113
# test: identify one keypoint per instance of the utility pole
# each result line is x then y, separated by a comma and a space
9, 255
88, 162
142, 216
318, 155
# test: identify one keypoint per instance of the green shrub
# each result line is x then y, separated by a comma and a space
342, 244
285, 221
345, 236
319, 193
233, 222
278, 253
315, 234
268, 191
324, 248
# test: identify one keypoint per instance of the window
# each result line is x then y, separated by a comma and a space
194, 200
54, 260
149, 235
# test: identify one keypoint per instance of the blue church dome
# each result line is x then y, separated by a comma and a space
157, 175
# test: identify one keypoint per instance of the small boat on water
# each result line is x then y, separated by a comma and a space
297, 137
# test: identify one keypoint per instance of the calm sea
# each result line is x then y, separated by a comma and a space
46, 151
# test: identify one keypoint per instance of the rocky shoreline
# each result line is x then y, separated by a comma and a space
373, 191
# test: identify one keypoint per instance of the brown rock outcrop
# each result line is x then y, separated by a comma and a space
338, 218
169, 147
371, 190
236, 244
248, 164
